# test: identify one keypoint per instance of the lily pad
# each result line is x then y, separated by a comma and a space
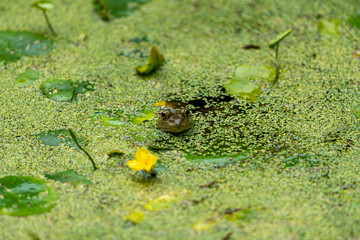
145, 115
27, 78
69, 176
23, 196
106, 119
57, 137
216, 160
279, 38
43, 5
355, 19
117, 8
155, 60
64, 90
248, 81
329, 29
14, 44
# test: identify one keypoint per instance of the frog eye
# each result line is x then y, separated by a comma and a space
164, 115
186, 112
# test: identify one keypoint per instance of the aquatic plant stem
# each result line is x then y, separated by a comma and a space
72, 134
49, 24
277, 70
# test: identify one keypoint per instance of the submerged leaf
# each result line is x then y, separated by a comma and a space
355, 19
155, 60
117, 8
329, 28
69, 176
217, 160
27, 78
294, 160
43, 5
279, 38
13, 45
65, 90
248, 81
162, 202
57, 137
206, 224
23, 196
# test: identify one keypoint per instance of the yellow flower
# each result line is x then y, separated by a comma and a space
144, 160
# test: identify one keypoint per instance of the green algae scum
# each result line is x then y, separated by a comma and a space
271, 89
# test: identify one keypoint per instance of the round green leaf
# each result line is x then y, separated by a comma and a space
279, 38
329, 28
15, 44
58, 90
69, 176
22, 196
43, 5
355, 20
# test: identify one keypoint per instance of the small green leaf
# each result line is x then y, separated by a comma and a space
357, 111
117, 8
57, 137
279, 38
13, 45
43, 5
69, 176
355, 19
27, 78
217, 160
155, 60
145, 115
106, 119
58, 90
23, 196
329, 29
65, 90
248, 81
242, 214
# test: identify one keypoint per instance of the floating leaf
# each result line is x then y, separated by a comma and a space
355, 19
27, 78
162, 202
117, 8
43, 5
69, 176
217, 160
206, 224
294, 160
135, 217
13, 45
57, 137
145, 115
279, 38
155, 60
23, 196
357, 111
139, 39
329, 28
248, 81
64, 90
106, 119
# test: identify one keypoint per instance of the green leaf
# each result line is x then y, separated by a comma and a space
279, 38
357, 111
23, 196
13, 45
43, 5
27, 78
329, 29
145, 115
355, 19
65, 90
216, 160
69, 176
57, 137
106, 119
248, 80
294, 160
58, 90
117, 8
155, 60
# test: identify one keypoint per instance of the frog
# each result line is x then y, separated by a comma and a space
175, 120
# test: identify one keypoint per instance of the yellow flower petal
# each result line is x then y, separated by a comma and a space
135, 165
144, 160
142, 154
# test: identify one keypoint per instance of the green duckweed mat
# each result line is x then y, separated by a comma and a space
300, 179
